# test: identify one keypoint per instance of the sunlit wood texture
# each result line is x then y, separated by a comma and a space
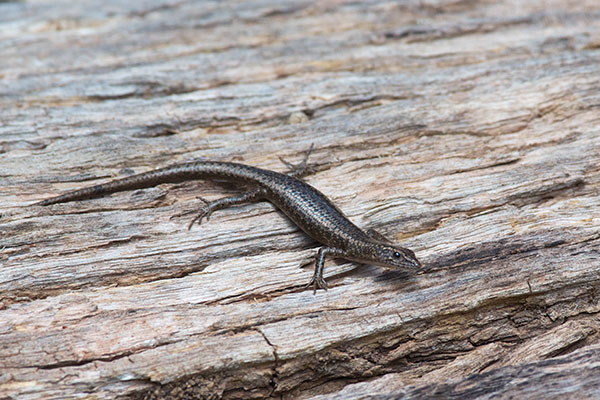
468, 131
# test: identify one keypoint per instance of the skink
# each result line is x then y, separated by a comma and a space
306, 206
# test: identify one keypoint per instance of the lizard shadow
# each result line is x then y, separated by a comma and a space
398, 280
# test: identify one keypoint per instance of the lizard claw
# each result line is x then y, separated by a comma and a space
317, 282
205, 211
302, 168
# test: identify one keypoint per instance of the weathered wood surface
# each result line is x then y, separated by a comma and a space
576, 375
468, 131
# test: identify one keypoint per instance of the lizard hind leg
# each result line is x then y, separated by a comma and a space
210, 206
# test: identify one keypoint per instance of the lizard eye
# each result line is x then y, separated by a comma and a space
396, 254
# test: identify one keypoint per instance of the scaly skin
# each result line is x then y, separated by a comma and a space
310, 209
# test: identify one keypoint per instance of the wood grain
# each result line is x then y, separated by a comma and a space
468, 131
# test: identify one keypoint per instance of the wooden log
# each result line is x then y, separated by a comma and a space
571, 376
466, 131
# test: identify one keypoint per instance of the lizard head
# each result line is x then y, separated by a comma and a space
383, 252
394, 257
